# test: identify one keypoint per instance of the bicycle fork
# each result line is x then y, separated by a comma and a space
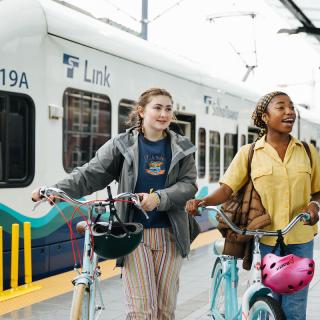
256, 287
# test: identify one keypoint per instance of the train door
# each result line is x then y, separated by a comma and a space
185, 124
314, 142
252, 134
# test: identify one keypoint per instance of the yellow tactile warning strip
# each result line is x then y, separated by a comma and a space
61, 283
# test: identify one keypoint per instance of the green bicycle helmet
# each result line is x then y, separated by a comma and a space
117, 242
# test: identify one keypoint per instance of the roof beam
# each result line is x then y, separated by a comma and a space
308, 26
296, 11
312, 31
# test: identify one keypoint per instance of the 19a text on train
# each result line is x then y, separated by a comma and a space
13, 78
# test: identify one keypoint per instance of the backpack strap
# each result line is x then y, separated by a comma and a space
307, 148
250, 155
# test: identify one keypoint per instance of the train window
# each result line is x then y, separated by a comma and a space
2, 114
86, 126
243, 139
314, 142
125, 107
229, 149
202, 153
16, 140
214, 156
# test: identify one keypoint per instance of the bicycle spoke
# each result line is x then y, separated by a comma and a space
266, 308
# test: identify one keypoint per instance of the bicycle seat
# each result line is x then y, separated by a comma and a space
218, 246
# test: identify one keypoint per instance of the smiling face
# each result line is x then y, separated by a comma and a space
157, 114
280, 114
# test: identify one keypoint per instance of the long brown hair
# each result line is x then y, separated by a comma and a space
145, 97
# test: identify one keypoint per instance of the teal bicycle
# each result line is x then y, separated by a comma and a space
257, 301
107, 240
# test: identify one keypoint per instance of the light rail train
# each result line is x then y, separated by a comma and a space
67, 83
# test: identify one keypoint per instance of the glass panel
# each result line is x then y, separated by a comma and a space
243, 140
214, 156
87, 126
229, 149
252, 136
202, 153
17, 138
125, 107
2, 121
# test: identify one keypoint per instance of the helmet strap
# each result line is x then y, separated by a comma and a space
280, 244
113, 213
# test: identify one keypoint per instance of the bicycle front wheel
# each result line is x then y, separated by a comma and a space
217, 292
266, 308
77, 301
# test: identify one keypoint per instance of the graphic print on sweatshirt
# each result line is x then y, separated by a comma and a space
155, 164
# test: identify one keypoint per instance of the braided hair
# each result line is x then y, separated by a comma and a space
261, 108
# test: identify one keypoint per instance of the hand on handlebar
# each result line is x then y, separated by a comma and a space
314, 216
192, 206
39, 194
149, 201
35, 196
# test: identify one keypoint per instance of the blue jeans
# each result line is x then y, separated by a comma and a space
293, 305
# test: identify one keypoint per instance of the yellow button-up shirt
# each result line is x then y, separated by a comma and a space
285, 187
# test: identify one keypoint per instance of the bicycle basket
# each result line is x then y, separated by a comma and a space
116, 243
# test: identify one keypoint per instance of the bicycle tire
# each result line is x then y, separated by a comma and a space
77, 301
216, 294
266, 308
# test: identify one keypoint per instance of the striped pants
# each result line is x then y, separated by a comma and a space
151, 277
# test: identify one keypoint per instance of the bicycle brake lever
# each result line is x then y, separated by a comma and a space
38, 203
144, 212
136, 202
43, 192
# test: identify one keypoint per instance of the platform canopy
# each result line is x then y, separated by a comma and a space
303, 16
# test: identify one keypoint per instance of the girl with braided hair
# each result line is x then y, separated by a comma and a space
286, 179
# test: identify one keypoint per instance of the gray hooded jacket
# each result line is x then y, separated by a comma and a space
117, 160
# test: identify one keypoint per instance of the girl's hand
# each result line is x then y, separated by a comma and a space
149, 201
313, 210
35, 196
192, 206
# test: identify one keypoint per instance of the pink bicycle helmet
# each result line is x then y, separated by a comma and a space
288, 274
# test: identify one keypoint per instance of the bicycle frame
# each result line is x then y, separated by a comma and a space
231, 278
89, 276
256, 288
230, 274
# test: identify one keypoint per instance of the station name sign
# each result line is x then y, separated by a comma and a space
214, 108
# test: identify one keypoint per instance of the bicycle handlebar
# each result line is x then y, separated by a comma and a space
46, 192
302, 216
